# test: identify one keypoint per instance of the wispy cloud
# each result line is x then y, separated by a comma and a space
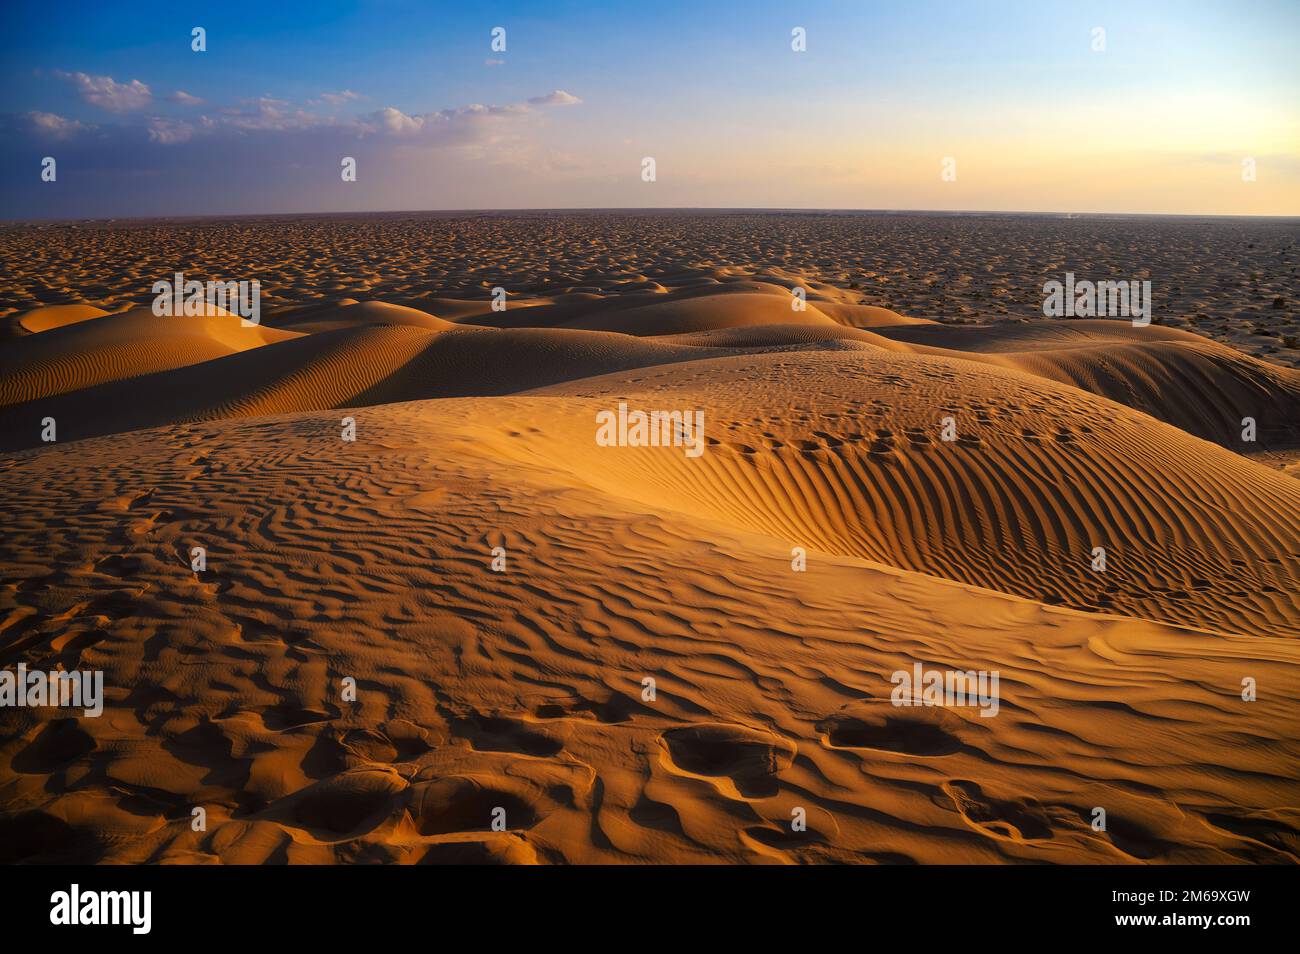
555, 98
53, 126
474, 123
168, 153
267, 114
107, 93
171, 131
337, 99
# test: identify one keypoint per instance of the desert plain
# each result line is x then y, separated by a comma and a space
436, 620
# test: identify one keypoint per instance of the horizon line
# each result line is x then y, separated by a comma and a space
187, 216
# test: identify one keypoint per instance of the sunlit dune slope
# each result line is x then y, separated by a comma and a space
523, 690
844, 451
55, 316
1200, 386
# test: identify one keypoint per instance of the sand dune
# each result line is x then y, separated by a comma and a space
1218, 278
55, 316
349, 366
1199, 386
74, 356
1195, 535
348, 313
704, 313
855, 315
524, 691
522, 688
348, 354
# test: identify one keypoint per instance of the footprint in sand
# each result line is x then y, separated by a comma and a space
60, 743
501, 734
1272, 830
617, 708
751, 758
820, 828
394, 741
1016, 820
926, 731
353, 801
462, 803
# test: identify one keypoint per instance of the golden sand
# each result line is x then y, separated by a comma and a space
498, 587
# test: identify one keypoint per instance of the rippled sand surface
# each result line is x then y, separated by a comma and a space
476, 634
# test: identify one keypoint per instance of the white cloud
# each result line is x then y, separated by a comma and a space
466, 123
54, 126
168, 132
397, 122
271, 115
107, 93
460, 126
338, 99
556, 98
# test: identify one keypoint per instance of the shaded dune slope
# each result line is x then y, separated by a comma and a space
1203, 388
111, 347
704, 313
350, 366
349, 313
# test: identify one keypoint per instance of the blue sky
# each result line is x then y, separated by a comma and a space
1159, 121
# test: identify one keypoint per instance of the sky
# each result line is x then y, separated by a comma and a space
1183, 99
